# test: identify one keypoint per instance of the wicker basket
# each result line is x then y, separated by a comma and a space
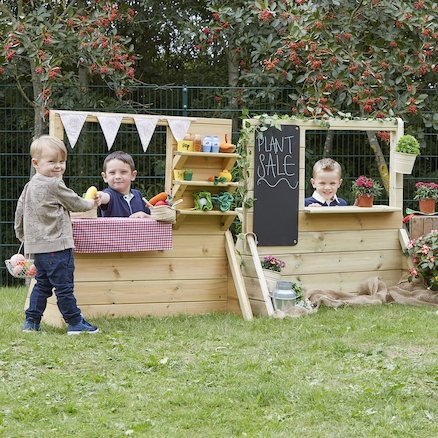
163, 213
20, 266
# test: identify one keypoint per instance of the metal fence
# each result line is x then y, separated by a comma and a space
85, 160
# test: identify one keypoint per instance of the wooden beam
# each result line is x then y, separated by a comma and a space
258, 267
239, 283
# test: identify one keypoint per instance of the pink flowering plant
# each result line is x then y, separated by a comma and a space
366, 186
424, 254
272, 263
426, 190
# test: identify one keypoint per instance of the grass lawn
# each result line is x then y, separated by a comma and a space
352, 372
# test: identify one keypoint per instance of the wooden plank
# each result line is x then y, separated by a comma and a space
133, 269
233, 306
339, 281
335, 241
346, 282
421, 225
325, 263
202, 225
256, 265
351, 209
341, 222
258, 307
245, 306
53, 317
157, 291
154, 309
162, 121
346, 222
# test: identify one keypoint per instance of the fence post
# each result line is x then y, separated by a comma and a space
185, 100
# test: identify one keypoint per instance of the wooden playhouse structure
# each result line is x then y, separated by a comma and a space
333, 247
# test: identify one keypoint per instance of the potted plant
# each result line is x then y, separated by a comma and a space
272, 267
188, 174
426, 193
365, 190
406, 151
423, 253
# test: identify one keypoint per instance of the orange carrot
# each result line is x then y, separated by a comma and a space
160, 197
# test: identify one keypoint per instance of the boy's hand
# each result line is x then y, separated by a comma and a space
147, 203
315, 204
139, 215
103, 197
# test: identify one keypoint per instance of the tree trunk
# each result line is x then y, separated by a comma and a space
380, 159
233, 81
328, 144
83, 79
40, 125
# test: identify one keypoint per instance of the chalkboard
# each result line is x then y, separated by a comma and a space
276, 186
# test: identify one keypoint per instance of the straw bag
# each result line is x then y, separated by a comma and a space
164, 213
20, 266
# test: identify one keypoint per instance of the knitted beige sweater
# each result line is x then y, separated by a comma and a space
42, 218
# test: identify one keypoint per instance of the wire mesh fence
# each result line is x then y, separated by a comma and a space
85, 161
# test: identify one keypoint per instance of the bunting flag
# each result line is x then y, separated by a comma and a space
145, 128
110, 126
179, 127
73, 123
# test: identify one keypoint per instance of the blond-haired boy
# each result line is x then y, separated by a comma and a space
42, 223
326, 180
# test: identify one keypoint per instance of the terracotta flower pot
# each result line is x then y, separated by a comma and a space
365, 201
427, 205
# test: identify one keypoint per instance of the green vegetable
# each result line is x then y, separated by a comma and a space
203, 201
223, 200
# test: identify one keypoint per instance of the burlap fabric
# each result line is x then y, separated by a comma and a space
372, 291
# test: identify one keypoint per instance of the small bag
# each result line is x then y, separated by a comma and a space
163, 213
20, 266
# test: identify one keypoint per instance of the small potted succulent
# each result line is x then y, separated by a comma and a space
406, 151
426, 193
365, 190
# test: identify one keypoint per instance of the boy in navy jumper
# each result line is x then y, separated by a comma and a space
119, 200
326, 181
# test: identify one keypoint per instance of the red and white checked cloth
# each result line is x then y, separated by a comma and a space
119, 234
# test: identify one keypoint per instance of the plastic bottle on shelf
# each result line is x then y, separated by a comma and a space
197, 143
215, 144
206, 144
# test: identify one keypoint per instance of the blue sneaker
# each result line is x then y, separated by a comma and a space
82, 326
31, 326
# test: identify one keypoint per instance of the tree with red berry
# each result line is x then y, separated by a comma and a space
52, 43
373, 58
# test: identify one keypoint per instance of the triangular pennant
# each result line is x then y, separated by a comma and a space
110, 126
145, 128
179, 127
73, 124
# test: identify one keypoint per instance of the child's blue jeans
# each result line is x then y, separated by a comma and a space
55, 271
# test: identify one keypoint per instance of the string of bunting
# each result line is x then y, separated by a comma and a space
73, 123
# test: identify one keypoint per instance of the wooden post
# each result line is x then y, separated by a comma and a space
245, 306
258, 267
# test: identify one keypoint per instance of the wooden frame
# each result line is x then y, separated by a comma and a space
199, 275
338, 247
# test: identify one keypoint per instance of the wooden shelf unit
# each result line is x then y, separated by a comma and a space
204, 166
179, 187
180, 158
227, 217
